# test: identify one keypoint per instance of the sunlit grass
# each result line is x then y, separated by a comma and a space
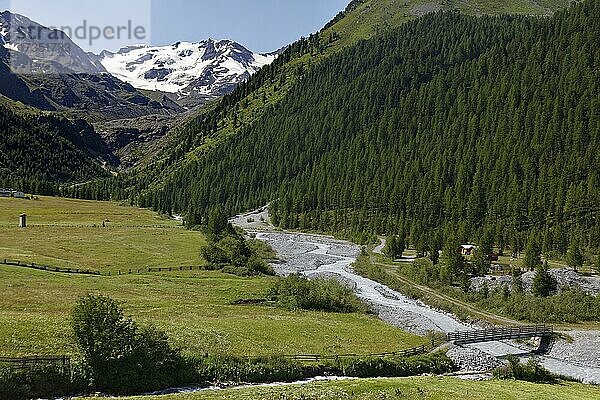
403, 388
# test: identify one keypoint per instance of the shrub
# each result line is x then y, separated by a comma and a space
214, 255
530, 372
122, 357
42, 381
261, 249
223, 368
297, 292
437, 363
257, 266
233, 254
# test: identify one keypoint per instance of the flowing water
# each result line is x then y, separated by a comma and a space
315, 255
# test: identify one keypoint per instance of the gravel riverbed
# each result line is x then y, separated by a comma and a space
316, 255
566, 278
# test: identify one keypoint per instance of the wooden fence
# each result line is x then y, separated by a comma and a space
64, 361
501, 333
23, 363
136, 271
65, 270
413, 351
41, 267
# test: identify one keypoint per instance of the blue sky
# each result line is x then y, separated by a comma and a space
260, 25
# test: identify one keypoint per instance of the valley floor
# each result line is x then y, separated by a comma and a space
195, 308
314, 255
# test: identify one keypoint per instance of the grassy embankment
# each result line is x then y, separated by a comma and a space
402, 388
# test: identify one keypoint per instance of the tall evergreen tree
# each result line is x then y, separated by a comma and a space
575, 258
544, 284
533, 252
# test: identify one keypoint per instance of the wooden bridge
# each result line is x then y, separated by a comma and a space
501, 333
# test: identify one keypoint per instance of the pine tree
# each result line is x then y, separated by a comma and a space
390, 247
217, 224
544, 283
574, 256
517, 281
394, 247
434, 248
482, 260
453, 260
533, 252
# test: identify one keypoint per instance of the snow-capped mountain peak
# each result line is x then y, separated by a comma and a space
210, 67
43, 47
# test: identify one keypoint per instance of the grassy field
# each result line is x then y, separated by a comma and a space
403, 388
69, 233
193, 307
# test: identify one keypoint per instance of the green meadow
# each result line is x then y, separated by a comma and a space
415, 388
194, 307
70, 233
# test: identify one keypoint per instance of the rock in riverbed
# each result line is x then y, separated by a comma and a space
473, 360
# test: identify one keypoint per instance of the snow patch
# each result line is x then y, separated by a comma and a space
11, 46
173, 68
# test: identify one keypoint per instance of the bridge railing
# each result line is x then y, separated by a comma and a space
500, 333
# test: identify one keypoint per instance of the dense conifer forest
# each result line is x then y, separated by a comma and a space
449, 124
35, 157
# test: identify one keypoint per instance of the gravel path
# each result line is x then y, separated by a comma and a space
380, 247
315, 255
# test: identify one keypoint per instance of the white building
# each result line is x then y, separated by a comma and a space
12, 193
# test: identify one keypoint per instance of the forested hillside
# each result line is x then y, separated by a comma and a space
457, 123
39, 152
361, 20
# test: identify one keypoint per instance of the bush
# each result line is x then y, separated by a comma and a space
123, 358
437, 363
257, 266
233, 254
261, 249
297, 292
214, 255
223, 368
530, 372
43, 381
